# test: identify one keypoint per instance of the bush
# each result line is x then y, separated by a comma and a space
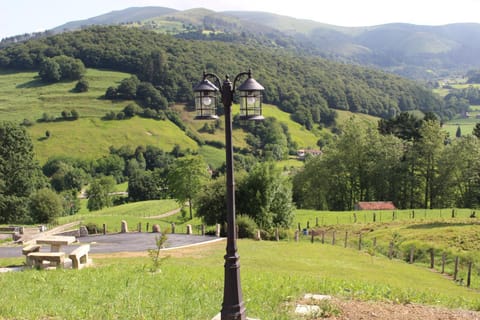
82, 86
246, 227
92, 228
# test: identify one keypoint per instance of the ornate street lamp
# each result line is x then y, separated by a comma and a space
250, 94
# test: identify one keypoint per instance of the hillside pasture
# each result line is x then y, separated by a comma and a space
90, 138
24, 96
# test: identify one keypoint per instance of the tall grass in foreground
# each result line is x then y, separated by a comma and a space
274, 275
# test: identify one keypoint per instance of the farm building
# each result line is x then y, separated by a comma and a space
375, 205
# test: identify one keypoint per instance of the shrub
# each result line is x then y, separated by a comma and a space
246, 227
92, 228
82, 86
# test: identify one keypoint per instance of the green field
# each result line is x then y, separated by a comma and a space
24, 96
275, 275
90, 138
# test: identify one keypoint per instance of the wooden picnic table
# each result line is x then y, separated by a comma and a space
56, 242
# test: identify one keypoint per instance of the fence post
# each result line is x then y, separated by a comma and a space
360, 241
432, 258
218, 228
316, 222
313, 236
148, 226
203, 229
393, 216
413, 214
455, 269
277, 236
104, 229
139, 227
412, 254
390, 250
374, 217
453, 213
323, 236
444, 257
333, 238
173, 228
469, 274
346, 239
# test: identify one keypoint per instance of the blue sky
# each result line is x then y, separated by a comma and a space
24, 16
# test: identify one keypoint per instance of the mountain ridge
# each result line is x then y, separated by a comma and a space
419, 52
415, 51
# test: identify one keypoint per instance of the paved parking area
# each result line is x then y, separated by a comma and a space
121, 242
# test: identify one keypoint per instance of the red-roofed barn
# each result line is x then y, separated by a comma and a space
375, 205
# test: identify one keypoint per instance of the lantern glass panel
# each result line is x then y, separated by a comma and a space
250, 104
206, 105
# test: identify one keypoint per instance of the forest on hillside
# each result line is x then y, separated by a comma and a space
310, 88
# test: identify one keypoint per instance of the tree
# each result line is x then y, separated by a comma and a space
98, 193
146, 185
458, 181
61, 68
128, 87
476, 130
212, 202
429, 148
20, 174
82, 86
45, 206
186, 179
458, 134
50, 71
266, 196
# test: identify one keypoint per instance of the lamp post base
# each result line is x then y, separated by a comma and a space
219, 317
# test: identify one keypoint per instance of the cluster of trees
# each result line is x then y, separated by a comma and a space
466, 96
473, 76
30, 193
263, 194
65, 115
61, 68
415, 166
307, 87
23, 193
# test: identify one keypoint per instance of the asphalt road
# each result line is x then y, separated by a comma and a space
120, 242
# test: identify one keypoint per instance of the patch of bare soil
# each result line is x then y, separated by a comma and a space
366, 310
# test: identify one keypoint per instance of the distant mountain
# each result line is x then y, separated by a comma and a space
130, 15
413, 51
410, 50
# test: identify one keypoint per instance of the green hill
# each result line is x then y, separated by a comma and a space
25, 97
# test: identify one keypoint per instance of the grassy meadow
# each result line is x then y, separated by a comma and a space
189, 286
275, 275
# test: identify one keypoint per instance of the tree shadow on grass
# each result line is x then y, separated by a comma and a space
35, 83
441, 225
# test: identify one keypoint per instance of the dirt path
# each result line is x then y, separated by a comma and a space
166, 214
366, 310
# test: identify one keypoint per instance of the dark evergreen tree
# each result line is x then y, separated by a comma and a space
20, 174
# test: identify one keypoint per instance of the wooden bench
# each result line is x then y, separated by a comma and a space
29, 249
79, 257
55, 259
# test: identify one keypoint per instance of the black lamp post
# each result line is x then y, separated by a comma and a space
250, 93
